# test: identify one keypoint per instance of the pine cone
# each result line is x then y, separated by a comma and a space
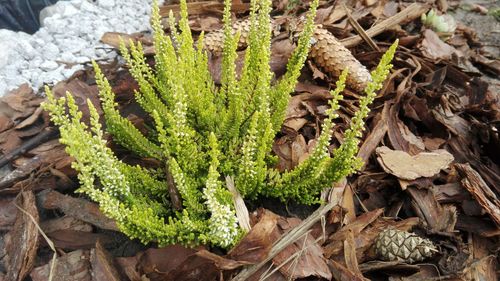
214, 41
333, 57
397, 245
327, 52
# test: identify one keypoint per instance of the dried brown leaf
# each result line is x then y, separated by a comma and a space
257, 243
335, 245
348, 205
19, 103
434, 48
351, 261
291, 150
342, 273
308, 263
16, 107
375, 136
365, 229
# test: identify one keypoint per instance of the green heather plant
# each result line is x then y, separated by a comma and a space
203, 133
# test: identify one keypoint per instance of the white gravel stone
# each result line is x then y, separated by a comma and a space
35, 63
81, 59
50, 51
3, 86
27, 51
88, 7
67, 57
106, 3
4, 57
70, 33
67, 72
69, 10
48, 65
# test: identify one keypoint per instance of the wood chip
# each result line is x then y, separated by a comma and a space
21, 242
73, 266
407, 167
78, 208
473, 182
103, 265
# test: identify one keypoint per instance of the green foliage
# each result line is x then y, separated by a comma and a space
202, 133
439, 23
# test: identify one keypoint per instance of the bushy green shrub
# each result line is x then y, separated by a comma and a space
202, 133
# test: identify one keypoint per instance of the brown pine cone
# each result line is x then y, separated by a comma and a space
214, 41
327, 52
397, 245
333, 57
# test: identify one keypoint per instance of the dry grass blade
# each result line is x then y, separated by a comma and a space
360, 29
411, 12
239, 205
